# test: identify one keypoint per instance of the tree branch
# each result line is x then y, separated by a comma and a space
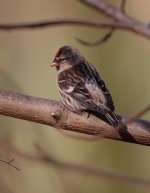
119, 15
122, 5
53, 113
77, 167
58, 22
108, 35
10, 163
121, 20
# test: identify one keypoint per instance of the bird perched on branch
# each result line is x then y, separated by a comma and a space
81, 87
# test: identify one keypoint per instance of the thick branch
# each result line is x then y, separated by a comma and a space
53, 113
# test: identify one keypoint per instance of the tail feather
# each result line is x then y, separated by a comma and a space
108, 116
115, 121
112, 118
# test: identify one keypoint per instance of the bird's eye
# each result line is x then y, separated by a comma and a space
62, 59
102, 85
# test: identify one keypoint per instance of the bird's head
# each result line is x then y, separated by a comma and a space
66, 57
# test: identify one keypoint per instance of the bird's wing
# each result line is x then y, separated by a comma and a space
107, 94
74, 86
76, 90
103, 88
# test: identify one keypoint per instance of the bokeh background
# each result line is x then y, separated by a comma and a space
24, 68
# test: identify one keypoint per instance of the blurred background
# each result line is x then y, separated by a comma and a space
25, 56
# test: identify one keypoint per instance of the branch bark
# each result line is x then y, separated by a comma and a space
54, 114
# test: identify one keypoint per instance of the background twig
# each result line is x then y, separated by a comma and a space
10, 163
121, 20
76, 167
108, 35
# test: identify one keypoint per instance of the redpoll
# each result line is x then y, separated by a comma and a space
81, 87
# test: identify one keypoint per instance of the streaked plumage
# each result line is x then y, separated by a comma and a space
81, 87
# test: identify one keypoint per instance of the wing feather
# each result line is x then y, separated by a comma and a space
102, 87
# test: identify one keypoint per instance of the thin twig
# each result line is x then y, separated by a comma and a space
122, 5
59, 22
119, 16
98, 42
107, 36
137, 115
10, 163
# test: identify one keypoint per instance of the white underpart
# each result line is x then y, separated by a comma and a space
74, 105
64, 66
70, 89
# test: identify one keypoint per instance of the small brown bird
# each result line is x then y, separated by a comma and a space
81, 87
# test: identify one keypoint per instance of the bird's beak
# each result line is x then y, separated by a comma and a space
54, 64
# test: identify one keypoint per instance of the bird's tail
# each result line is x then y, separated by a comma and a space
114, 121
109, 117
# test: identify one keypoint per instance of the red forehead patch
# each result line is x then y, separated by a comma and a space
58, 54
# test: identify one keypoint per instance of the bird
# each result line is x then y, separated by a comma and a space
81, 87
